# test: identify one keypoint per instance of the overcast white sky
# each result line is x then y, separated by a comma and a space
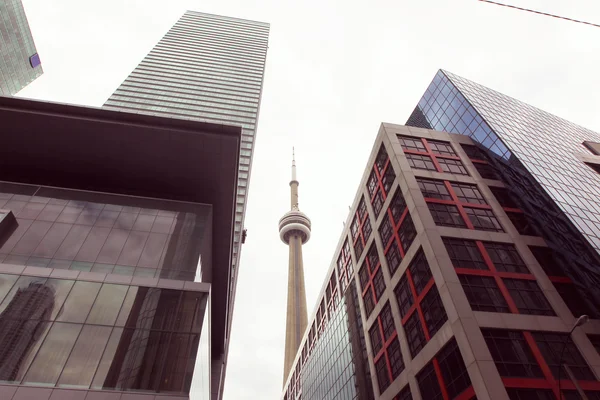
335, 71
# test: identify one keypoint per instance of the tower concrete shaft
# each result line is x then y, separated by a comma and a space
294, 230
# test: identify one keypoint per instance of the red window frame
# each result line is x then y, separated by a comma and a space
396, 220
331, 295
430, 152
428, 287
372, 271
381, 174
360, 225
460, 205
345, 266
386, 342
434, 367
548, 381
492, 270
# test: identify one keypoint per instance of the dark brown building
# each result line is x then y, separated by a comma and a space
116, 237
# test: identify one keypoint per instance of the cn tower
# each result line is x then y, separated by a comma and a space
294, 230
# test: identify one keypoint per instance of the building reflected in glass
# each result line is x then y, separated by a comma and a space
549, 164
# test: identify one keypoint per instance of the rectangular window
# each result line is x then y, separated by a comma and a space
418, 161
474, 153
382, 158
385, 231
446, 215
429, 384
414, 334
398, 205
441, 148
387, 321
395, 358
362, 209
511, 354
378, 284
484, 220
393, 258
377, 204
548, 260
388, 179
433, 189
383, 377
358, 248
483, 293
486, 171
411, 144
528, 297
505, 257
407, 232
573, 299
366, 229
551, 344
468, 193
504, 197
464, 254
521, 223
404, 394
372, 183
433, 311
453, 369
452, 166
404, 296
420, 272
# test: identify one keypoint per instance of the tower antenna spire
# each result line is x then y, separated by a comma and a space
293, 165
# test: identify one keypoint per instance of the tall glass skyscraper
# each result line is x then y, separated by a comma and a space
207, 68
550, 164
19, 61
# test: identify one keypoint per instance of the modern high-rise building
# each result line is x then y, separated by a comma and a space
206, 68
294, 230
115, 247
19, 60
548, 163
447, 282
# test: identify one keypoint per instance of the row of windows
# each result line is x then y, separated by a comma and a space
522, 354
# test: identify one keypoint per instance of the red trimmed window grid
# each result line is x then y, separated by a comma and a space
495, 278
397, 231
371, 280
344, 266
431, 155
528, 362
360, 229
380, 181
420, 304
386, 348
331, 295
459, 205
445, 377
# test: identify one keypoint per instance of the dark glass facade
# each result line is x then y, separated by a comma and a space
83, 334
88, 231
538, 156
206, 68
19, 61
